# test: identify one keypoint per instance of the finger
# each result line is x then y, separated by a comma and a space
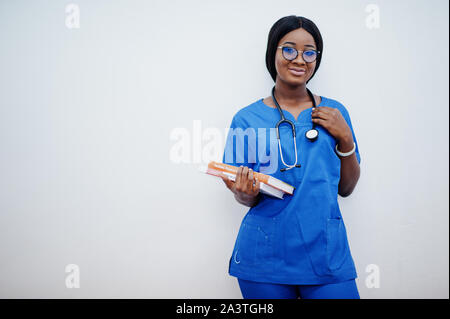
320, 114
319, 121
244, 179
228, 182
256, 186
250, 179
244, 176
239, 177
323, 109
245, 172
326, 112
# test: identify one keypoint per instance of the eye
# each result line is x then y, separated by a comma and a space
289, 50
289, 53
309, 56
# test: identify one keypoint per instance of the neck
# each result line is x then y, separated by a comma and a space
291, 95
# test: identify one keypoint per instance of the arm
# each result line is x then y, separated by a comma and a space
350, 170
338, 126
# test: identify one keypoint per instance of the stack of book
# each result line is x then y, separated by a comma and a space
269, 185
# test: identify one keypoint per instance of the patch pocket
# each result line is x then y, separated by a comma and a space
255, 241
337, 247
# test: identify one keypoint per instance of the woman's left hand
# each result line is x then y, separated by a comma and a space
331, 119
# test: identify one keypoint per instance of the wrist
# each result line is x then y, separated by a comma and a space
345, 144
246, 200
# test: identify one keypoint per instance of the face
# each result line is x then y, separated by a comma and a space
301, 40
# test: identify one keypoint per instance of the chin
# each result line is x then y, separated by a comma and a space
293, 80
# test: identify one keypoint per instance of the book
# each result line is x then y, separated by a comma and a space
216, 169
267, 179
263, 187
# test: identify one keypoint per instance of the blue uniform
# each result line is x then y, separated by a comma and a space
301, 239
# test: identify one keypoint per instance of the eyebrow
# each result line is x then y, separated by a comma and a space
306, 45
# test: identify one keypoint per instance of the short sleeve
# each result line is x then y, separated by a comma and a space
349, 122
240, 145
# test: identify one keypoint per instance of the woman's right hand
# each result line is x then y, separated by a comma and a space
245, 187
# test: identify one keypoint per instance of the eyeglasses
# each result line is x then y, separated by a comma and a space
290, 54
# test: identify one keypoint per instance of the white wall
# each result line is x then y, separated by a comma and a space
86, 119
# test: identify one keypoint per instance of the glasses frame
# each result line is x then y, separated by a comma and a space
285, 46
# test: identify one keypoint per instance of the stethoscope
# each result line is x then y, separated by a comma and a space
311, 134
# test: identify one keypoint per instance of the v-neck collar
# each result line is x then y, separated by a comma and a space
289, 114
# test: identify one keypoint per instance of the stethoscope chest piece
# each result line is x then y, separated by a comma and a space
312, 134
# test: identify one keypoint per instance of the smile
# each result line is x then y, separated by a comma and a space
297, 73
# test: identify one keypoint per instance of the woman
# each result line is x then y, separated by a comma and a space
296, 247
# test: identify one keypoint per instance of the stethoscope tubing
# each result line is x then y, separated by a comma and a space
284, 120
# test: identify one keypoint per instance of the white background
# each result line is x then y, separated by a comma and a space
86, 117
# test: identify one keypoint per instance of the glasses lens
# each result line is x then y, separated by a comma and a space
309, 56
289, 53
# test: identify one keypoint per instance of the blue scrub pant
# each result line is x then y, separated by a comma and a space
262, 290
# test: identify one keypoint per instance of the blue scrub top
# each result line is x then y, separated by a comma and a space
300, 239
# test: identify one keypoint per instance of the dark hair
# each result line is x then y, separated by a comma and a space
280, 29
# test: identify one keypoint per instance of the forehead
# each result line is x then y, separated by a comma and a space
300, 37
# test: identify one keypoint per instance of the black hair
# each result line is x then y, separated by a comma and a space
280, 29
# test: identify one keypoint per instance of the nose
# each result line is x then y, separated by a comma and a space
299, 59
